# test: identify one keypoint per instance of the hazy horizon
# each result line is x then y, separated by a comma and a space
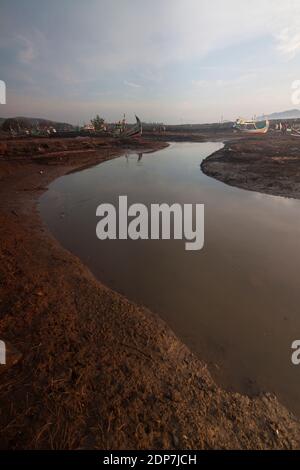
172, 61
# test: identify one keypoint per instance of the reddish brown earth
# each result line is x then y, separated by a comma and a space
87, 368
268, 164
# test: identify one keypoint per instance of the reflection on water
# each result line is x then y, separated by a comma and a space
236, 302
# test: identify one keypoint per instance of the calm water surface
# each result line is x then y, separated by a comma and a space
236, 302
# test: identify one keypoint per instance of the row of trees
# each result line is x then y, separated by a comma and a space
19, 124
98, 123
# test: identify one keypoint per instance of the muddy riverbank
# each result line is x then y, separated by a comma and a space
91, 369
269, 164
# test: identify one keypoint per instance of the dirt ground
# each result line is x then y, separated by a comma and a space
268, 164
87, 369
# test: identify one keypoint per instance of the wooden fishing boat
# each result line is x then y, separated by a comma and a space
252, 126
122, 131
295, 132
135, 130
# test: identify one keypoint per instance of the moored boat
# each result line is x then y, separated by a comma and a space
252, 126
295, 132
121, 130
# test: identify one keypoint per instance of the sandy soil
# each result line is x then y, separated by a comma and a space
268, 164
87, 368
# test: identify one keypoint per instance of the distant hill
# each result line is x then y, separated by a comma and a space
32, 122
290, 114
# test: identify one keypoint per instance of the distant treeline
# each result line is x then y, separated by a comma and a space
18, 124
187, 127
213, 127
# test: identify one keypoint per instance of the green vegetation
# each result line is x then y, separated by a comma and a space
98, 123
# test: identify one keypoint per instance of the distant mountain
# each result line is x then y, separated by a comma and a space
290, 114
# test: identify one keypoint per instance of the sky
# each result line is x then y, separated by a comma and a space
171, 61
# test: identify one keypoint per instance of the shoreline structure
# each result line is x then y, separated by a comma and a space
86, 367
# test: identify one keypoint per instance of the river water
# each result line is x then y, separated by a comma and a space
235, 303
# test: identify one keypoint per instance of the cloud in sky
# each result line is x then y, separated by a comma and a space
27, 50
168, 60
131, 84
289, 42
